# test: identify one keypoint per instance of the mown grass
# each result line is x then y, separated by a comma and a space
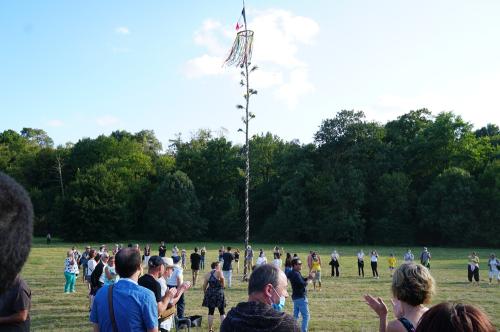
338, 307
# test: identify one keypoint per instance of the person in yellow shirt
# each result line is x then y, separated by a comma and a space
316, 268
392, 263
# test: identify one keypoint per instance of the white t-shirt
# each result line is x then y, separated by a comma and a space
493, 265
177, 274
103, 274
361, 256
261, 260
374, 258
91, 266
167, 324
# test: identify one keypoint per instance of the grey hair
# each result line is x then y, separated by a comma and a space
263, 275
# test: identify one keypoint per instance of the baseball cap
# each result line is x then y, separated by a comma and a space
169, 262
155, 261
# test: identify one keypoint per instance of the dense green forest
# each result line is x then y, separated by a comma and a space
419, 179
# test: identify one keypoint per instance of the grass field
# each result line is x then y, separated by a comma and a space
338, 307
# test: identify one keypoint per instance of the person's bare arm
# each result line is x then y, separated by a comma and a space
165, 301
155, 329
18, 317
221, 278
108, 274
205, 284
181, 290
96, 327
380, 309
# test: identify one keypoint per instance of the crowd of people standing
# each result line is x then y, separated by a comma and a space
165, 278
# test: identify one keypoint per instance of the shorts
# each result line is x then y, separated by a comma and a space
493, 275
317, 276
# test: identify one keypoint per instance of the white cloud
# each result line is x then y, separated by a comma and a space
297, 86
55, 123
107, 120
204, 65
475, 99
279, 35
122, 30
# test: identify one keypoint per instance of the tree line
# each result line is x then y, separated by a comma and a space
418, 179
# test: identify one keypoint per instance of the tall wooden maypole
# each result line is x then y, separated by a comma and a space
240, 55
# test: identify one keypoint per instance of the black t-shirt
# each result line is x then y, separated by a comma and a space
16, 298
195, 261
149, 282
161, 251
228, 259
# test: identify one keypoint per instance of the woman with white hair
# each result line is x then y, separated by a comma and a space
70, 270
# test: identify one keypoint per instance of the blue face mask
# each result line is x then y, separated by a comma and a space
279, 306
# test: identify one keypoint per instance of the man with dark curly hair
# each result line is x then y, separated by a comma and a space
16, 228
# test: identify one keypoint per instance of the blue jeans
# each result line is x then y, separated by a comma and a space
302, 306
227, 278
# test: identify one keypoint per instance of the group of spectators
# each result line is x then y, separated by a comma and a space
128, 299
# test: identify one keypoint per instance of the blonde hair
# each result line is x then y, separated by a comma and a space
412, 283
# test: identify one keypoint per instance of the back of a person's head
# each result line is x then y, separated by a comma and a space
263, 275
127, 262
412, 283
455, 317
16, 229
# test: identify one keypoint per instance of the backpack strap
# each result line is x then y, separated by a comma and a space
111, 310
407, 324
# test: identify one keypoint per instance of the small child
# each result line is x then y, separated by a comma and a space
392, 263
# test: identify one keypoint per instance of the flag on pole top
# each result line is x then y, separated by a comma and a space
241, 20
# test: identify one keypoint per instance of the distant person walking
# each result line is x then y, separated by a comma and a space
146, 254
162, 250
203, 253
392, 261
277, 257
409, 257
374, 263
213, 288
84, 260
249, 258
227, 266
261, 259
316, 269
425, 258
361, 263
237, 260
335, 263
70, 269
195, 259
493, 266
473, 268
49, 238
288, 263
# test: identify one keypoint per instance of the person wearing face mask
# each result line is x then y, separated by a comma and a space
267, 289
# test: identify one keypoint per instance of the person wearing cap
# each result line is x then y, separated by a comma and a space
175, 281
166, 323
299, 292
425, 258
134, 307
156, 270
267, 289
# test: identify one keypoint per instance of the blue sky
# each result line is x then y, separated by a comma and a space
79, 69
